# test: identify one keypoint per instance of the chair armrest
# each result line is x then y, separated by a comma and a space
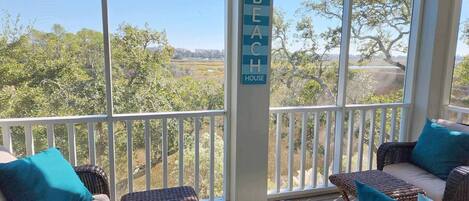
94, 178
457, 185
394, 152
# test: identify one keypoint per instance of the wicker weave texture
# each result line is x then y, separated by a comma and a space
184, 193
457, 184
94, 178
391, 186
394, 152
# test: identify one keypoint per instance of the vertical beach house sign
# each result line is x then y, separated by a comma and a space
255, 41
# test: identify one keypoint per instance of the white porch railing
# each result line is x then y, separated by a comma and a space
307, 139
126, 121
457, 114
304, 136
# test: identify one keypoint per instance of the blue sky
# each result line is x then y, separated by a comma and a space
463, 49
191, 24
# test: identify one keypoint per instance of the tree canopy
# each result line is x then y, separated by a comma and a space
305, 61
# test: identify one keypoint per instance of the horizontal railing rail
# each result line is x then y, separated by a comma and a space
304, 109
457, 113
127, 122
102, 118
376, 106
52, 120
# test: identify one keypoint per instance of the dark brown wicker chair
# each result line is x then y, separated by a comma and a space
94, 178
457, 184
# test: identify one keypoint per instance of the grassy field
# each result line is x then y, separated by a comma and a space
200, 69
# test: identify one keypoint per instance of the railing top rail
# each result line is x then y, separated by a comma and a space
167, 115
375, 106
53, 120
304, 109
102, 118
458, 109
189, 114
335, 108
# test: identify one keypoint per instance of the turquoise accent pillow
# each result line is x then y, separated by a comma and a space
440, 150
366, 193
46, 176
423, 198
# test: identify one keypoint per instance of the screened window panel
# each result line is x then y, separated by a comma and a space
378, 51
305, 52
460, 85
51, 63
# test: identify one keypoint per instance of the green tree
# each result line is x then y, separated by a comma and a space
307, 75
460, 88
378, 26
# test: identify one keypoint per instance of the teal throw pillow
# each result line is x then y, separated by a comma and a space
46, 176
423, 198
440, 150
367, 193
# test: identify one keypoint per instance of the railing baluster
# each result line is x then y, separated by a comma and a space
226, 157
50, 136
29, 139
371, 141
72, 144
112, 159
130, 148
361, 138
91, 143
7, 141
181, 151
382, 131
278, 153
393, 124
147, 137
304, 119
291, 125
212, 158
326, 148
314, 179
459, 117
350, 141
165, 153
403, 125
197, 155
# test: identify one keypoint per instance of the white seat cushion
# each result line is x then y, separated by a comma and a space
6, 156
433, 186
453, 125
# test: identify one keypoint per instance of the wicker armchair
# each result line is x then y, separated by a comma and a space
457, 184
94, 178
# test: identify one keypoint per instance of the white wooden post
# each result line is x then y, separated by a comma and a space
431, 63
342, 86
450, 62
109, 100
411, 68
249, 119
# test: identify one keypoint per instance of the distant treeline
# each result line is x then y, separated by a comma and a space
181, 53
